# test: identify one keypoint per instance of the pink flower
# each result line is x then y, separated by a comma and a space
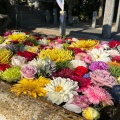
81, 101
102, 78
99, 46
84, 57
28, 71
55, 45
97, 94
59, 41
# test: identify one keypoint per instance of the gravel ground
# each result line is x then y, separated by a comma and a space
2, 117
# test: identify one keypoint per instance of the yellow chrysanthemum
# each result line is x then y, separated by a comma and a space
33, 49
31, 87
114, 63
17, 36
5, 56
118, 79
84, 44
56, 55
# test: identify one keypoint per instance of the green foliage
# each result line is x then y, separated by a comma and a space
114, 70
61, 65
1, 39
47, 70
33, 40
11, 74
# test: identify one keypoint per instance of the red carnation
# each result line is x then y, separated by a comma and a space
82, 82
114, 44
81, 70
116, 58
28, 55
3, 67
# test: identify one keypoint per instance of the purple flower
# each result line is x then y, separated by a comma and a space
7, 33
98, 65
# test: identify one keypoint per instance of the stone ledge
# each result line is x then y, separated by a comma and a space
27, 108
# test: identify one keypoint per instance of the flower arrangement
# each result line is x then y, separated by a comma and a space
82, 76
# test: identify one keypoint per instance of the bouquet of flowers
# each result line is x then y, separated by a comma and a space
82, 76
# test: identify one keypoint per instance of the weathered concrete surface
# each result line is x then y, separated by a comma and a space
27, 108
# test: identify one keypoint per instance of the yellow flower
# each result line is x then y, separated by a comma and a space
56, 55
91, 114
33, 49
5, 56
118, 79
17, 36
84, 44
31, 87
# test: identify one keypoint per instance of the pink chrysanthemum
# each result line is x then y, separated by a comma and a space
102, 78
97, 94
81, 101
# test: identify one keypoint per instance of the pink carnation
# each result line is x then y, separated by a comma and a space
97, 94
84, 57
102, 78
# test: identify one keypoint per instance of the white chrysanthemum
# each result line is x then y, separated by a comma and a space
113, 53
76, 63
44, 41
99, 55
39, 63
61, 90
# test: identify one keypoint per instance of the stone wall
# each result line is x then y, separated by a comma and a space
27, 108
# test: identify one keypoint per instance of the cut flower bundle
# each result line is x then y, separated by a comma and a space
80, 75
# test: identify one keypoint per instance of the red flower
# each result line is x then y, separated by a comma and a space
15, 42
116, 58
28, 43
82, 82
81, 70
28, 55
3, 67
27, 33
114, 44
65, 73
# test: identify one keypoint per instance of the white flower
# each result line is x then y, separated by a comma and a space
39, 63
74, 39
113, 53
61, 90
76, 63
44, 41
99, 55
18, 60
72, 107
